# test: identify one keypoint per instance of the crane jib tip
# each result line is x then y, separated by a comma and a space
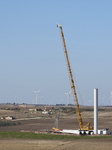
58, 25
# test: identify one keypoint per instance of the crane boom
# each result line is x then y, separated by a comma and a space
72, 85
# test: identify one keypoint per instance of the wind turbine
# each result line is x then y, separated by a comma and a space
68, 97
111, 98
36, 92
16, 99
90, 102
102, 100
41, 99
61, 102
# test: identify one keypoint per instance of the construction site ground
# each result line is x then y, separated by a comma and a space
91, 144
28, 120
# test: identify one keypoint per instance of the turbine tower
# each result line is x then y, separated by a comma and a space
68, 97
36, 92
111, 98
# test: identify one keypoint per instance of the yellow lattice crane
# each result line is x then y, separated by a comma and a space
82, 127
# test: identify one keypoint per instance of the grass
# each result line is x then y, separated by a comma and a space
31, 135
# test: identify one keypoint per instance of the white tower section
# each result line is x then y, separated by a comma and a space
95, 111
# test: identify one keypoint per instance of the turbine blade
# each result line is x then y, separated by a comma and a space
39, 90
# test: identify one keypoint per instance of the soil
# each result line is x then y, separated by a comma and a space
12, 144
47, 124
67, 120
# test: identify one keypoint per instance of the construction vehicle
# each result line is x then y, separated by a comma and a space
82, 127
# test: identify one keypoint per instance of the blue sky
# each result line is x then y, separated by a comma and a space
31, 52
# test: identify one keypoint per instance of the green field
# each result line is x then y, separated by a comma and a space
30, 135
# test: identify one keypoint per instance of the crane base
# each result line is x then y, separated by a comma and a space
88, 132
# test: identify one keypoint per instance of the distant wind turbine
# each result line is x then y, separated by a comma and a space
90, 102
36, 92
102, 100
16, 99
61, 102
111, 98
68, 97
42, 99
